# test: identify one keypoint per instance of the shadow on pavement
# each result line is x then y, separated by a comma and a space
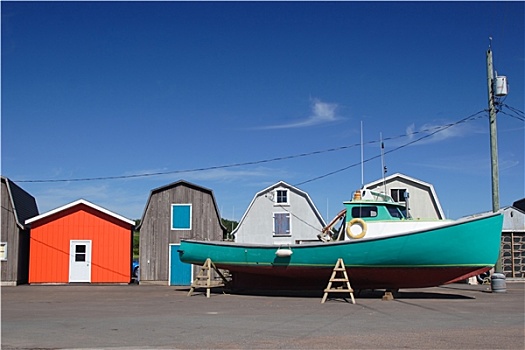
423, 293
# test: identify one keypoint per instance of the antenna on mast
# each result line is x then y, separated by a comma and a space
383, 166
362, 159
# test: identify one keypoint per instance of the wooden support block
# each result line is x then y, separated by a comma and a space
387, 296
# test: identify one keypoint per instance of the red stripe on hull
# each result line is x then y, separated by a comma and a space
293, 278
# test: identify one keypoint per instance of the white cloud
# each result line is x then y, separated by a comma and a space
224, 174
432, 133
321, 113
410, 131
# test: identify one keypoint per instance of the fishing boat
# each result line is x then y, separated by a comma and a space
380, 244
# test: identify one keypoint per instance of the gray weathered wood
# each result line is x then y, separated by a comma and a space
155, 228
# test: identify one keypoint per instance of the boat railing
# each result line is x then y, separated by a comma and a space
378, 196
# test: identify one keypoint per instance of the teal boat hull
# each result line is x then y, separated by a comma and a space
427, 258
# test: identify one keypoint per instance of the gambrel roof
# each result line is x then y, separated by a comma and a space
282, 184
402, 178
186, 184
520, 204
407, 179
513, 219
24, 204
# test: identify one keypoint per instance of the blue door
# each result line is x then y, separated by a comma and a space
180, 273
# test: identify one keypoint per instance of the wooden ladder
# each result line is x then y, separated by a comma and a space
339, 269
204, 278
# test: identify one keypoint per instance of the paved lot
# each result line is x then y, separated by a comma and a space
457, 316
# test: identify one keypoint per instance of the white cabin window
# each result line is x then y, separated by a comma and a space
3, 251
281, 196
398, 195
281, 224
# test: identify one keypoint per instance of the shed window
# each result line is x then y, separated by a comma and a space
398, 195
281, 197
3, 251
281, 224
181, 216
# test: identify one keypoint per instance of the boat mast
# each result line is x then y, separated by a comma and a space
383, 166
362, 159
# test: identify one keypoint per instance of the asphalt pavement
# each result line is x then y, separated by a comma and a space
456, 316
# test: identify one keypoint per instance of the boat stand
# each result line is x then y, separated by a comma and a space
204, 278
388, 295
339, 269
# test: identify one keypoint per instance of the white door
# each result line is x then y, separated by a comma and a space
80, 261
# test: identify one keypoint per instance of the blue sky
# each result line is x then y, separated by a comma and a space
94, 90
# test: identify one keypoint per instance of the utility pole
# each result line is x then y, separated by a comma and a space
493, 143
493, 134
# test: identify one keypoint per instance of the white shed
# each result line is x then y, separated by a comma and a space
422, 199
513, 242
280, 214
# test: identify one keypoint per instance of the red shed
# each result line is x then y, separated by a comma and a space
80, 242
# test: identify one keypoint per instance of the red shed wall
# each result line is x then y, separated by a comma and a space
110, 246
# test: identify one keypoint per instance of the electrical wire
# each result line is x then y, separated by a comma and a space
192, 170
432, 131
516, 113
295, 216
436, 130
513, 109
513, 116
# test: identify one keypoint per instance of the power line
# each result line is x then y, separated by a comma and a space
192, 170
432, 131
516, 113
295, 216
515, 110
436, 130
513, 116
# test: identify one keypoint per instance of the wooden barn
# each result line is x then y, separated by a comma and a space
80, 242
17, 206
180, 210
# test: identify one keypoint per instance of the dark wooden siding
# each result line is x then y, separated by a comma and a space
15, 269
155, 228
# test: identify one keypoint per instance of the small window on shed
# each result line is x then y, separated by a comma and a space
364, 212
398, 195
3, 250
181, 216
281, 224
281, 196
